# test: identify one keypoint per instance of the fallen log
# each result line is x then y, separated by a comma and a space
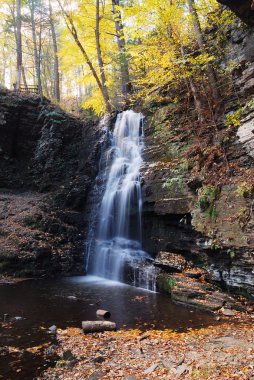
103, 313
98, 326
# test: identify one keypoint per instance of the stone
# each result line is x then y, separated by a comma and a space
52, 329
181, 205
181, 369
4, 351
18, 318
68, 355
195, 272
96, 375
248, 73
171, 262
6, 317
194, 293
74, 298
151, 369
228, 312
99, 359
51, 350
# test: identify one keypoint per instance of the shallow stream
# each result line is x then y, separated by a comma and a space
66, 302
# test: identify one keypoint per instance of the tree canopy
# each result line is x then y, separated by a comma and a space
108, 54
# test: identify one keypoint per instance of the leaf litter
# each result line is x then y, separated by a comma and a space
222, 351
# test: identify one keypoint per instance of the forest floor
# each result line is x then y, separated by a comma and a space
223, 351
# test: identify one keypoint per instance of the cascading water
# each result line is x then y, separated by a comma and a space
117, 252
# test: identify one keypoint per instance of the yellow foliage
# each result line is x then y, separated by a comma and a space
95, 102
161, 48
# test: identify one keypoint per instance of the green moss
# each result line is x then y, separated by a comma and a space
174, 184
202, 373
231, 253
233, 119
244, 190
206, 200
171, 283
214, 245
166, 283
60, 363
185, 165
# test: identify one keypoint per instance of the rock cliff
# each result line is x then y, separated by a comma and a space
48, 160
243, 9
198, 195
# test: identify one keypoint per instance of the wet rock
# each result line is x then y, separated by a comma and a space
52, 329
191, 292
74, 298
6, 317
18, 318
4, 351
51, 350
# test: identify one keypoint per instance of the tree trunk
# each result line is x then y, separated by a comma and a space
199, 106
125, 76
18, 43
97, 326
37, 63
72, 29
103, 313
24, 78
99, 55
202, 46
55, 49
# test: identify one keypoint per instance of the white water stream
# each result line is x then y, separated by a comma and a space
117, 251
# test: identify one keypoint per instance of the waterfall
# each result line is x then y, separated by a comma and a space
117, 250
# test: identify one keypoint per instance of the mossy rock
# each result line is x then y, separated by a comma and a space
166, 283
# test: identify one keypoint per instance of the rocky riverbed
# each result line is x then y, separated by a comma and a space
225, 351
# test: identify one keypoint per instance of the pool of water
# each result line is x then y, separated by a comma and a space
69, 301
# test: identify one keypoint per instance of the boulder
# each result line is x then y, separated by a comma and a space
194, 293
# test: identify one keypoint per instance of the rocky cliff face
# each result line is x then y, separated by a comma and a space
199, 206
48, 161
243, 9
